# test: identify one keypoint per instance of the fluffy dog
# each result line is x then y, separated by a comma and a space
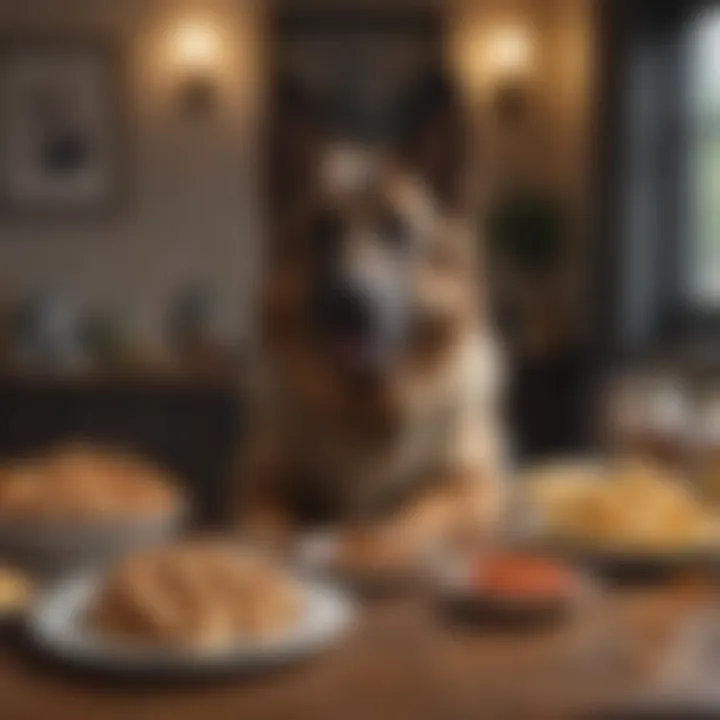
377, 388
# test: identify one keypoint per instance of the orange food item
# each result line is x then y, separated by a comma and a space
523, 576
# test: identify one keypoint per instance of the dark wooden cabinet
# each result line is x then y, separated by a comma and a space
552, 404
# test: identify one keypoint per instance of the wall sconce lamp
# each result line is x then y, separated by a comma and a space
510, 58
197, 47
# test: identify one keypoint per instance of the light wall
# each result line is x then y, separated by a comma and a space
191, 210
550, 147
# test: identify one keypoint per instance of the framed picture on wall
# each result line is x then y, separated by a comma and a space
61, 126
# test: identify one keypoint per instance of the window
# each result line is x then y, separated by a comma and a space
663, 95
703, 276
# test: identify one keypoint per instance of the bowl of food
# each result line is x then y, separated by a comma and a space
629, 513
78, 506
510, 585
192, 607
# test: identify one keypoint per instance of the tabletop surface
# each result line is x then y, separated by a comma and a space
404, 659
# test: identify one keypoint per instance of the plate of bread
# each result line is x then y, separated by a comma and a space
191, 608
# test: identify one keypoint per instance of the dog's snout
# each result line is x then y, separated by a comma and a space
359, 306
345, 308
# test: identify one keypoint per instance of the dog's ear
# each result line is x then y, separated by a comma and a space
432, 138
293, 142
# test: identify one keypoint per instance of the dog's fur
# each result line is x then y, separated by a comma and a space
426, 432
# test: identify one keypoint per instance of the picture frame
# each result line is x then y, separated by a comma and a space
63, 129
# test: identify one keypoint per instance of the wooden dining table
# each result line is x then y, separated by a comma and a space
405, 657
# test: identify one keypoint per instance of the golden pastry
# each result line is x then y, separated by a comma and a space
84, 484
632, 504
197, 595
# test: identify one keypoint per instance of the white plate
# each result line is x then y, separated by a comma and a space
618, 556
56, 625
628, 559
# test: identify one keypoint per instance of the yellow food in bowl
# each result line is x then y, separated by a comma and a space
631, 504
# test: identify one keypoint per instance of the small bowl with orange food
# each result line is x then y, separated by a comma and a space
511, 586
